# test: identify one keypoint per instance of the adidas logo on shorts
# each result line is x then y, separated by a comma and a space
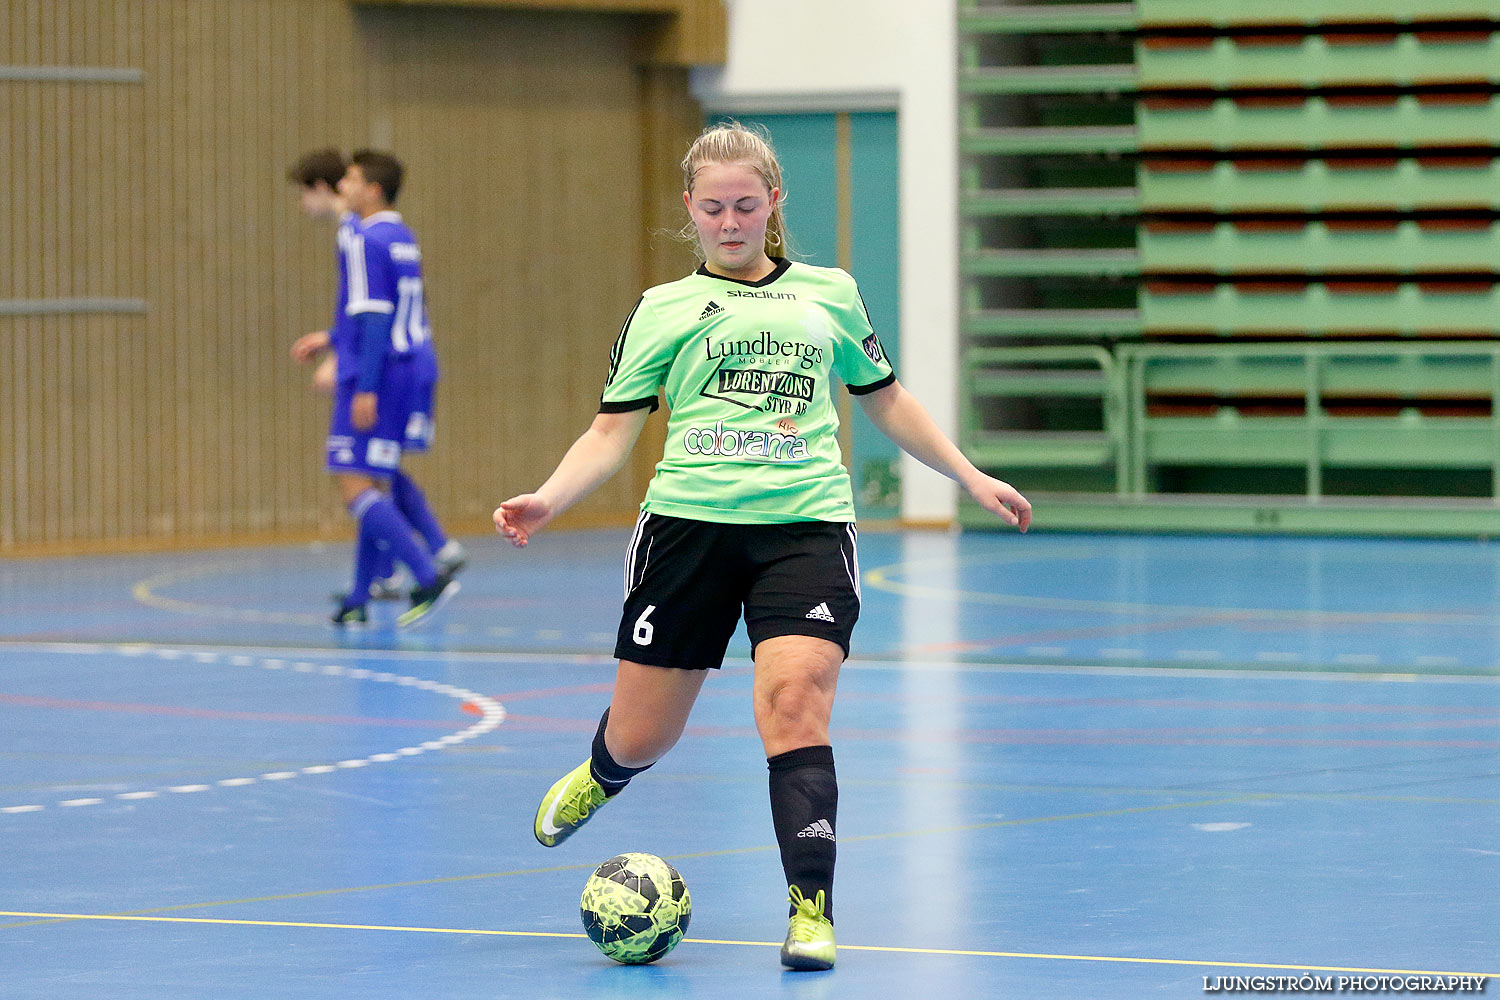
821, 828
712, 309
821, 613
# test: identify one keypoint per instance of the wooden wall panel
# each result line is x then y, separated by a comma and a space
525, 189
65, 198
668, 33
670, 119
187, 422
171, 425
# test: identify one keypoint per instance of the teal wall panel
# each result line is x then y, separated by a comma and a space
807, 145
876, 262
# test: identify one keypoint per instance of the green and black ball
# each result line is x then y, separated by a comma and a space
636, 908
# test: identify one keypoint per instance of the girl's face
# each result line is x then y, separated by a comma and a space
730, 207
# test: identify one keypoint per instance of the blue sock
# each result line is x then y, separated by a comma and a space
380, 521
412, 503
385, 563
367, 558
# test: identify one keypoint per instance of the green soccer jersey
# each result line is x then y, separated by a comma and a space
747, 369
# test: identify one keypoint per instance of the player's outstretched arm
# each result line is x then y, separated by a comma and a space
595, 456
901, 417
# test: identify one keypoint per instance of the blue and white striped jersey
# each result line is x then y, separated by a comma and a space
380, 271
341, 330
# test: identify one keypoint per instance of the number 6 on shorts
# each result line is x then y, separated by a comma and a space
644, 630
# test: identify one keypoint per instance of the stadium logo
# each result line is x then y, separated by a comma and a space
735, 293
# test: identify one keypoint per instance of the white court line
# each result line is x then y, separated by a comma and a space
880, 662
492, 713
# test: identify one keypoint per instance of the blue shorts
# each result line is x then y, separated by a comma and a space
403, 422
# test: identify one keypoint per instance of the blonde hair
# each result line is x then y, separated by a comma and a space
731, 142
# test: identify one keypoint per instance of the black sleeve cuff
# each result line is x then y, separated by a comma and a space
861, 390
626, 405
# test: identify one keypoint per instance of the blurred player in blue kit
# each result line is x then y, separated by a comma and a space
382, 371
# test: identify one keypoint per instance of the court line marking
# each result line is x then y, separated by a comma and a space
880, 578
492, 714
720, 852
39, 916
895, 949
144, 592
895, 660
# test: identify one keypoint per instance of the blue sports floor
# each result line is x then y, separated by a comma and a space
1071, 766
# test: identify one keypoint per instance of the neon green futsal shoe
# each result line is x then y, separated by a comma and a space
567, 806
809, 938
426, 600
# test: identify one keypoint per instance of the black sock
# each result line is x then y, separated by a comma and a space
804, 810
612, 776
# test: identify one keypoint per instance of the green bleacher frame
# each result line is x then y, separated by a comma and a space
1048, 80
978, 19
1044, 139
1053, 201
1404, 121
1307, 320
1317, 309
1048, 323
1362, 405
1252, 13
1386, 247
1226, 63
1051, 262
1011, 374
1397, 184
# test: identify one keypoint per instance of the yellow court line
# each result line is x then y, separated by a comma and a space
880, 578
136, 918
348, 890
720, 852
892, 949
144, 592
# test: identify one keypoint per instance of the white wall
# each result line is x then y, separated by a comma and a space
850, 55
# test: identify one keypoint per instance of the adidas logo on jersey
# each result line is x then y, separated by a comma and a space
821, 613
821, 828
712, 309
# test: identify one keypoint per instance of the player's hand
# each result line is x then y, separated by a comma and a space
326, 375
1001, 499
521, 517
362, 412
309, 346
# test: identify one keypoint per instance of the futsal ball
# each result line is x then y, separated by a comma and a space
636, 908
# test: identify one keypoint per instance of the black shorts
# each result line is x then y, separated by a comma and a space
686, 582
